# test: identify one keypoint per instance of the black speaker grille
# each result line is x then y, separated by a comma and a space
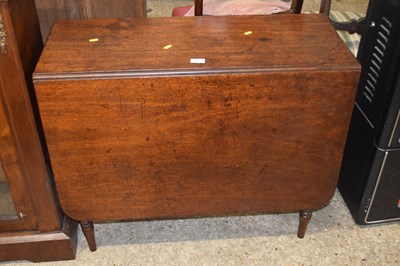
375, 66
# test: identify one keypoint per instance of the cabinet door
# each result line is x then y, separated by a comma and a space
22, 156
17, 212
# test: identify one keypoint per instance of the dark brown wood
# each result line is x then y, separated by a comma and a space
137, 56
325, 7
304, 219
38, 247
13, 107
49, 10
88, 231
21, 151
24, 217
296, 6
137, 129
198, 7
23, 51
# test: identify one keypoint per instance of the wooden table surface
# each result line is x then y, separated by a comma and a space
136, 131
228, 44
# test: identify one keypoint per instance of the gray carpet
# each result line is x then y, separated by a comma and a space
332, 239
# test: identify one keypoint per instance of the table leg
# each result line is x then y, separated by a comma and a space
304, 217
88, 231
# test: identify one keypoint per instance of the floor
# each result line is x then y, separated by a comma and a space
332, 237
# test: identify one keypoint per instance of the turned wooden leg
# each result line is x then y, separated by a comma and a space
88, 231
305, 217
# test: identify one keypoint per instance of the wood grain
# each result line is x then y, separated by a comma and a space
136, 46
36, 231
37, 247
136, 132
16, 92
202, 145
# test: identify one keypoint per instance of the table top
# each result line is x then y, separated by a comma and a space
191, 45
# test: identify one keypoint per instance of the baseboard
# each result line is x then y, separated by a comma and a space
40, 247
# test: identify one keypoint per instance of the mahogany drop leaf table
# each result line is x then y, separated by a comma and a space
198, 116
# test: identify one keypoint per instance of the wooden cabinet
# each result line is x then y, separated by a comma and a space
31, 225
166, 117
48, 10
